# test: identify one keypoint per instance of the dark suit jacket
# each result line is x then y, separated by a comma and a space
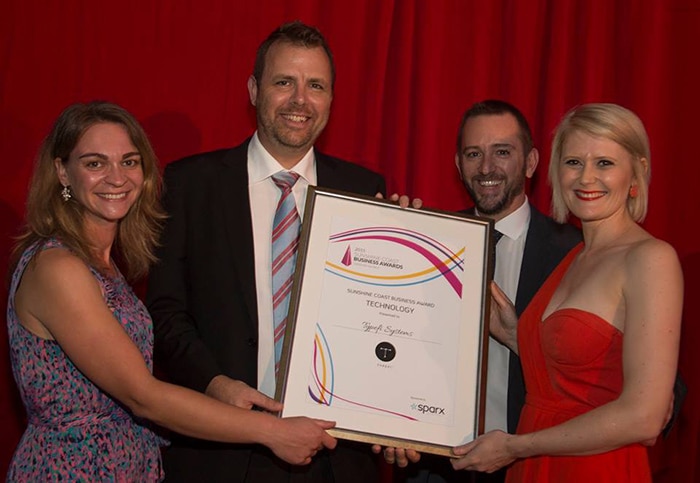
202, 298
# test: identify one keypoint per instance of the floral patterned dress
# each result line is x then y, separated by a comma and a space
75, 431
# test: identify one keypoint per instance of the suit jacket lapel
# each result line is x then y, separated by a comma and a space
325, 172
535, 253
534, 267
238, 227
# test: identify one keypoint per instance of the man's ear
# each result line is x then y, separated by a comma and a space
252, 89
531, 162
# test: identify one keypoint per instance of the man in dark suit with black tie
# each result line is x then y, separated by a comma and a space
210, 295
495, 156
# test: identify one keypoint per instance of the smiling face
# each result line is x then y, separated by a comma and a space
493, 164
595, 176
293, 100
104, 172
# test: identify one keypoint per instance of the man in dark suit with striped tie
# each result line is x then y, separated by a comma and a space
211, 295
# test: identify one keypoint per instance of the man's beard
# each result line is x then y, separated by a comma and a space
500, 205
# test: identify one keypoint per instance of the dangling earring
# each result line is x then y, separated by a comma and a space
65, 193
634, 191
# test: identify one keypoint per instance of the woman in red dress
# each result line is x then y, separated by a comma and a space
599, 342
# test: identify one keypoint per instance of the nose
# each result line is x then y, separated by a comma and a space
299, 94
588, 174
116, 175
487, 164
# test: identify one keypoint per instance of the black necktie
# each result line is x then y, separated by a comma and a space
497, 235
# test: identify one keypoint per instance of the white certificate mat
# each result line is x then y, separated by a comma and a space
386, 332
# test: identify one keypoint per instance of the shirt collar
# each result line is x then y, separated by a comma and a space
261, 164
515, 224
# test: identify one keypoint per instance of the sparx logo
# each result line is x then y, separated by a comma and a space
425, 408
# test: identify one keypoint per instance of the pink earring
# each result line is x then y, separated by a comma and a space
634, 191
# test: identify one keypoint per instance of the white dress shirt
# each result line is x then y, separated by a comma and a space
509, 258
264, 195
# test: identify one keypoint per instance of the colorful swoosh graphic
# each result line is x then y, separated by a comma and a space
441, 262
321, 390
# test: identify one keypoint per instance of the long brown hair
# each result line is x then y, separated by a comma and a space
48, 215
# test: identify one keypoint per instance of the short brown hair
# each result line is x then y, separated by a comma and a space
496, 107
295, 33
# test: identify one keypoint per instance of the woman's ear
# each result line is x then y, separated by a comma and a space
645, 165
61, 172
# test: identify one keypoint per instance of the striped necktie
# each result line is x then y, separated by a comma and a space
285, 238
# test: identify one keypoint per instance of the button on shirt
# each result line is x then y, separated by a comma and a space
264, 196
509, 258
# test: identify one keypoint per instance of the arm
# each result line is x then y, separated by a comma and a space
652, 294
60, 292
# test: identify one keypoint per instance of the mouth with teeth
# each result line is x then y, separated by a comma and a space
589, 195
489, 183
112, 196
296, 117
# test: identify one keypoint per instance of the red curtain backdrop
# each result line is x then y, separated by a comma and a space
406, 69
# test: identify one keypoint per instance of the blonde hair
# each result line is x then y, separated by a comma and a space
48, 215
613, 122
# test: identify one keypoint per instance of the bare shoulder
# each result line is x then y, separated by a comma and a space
652, 261
53, 280
652, 252
56, 273
58, 265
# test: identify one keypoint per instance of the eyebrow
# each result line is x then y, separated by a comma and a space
104, 156
504, 145
495, 145
291, 77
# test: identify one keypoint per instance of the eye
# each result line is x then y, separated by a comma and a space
318, 87
131, 162
283, 83
605, 162
571, 162
472, 154
502, 152
93, 164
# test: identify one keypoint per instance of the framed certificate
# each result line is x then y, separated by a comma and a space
386, 333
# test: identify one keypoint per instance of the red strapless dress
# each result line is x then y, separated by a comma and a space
572, 363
